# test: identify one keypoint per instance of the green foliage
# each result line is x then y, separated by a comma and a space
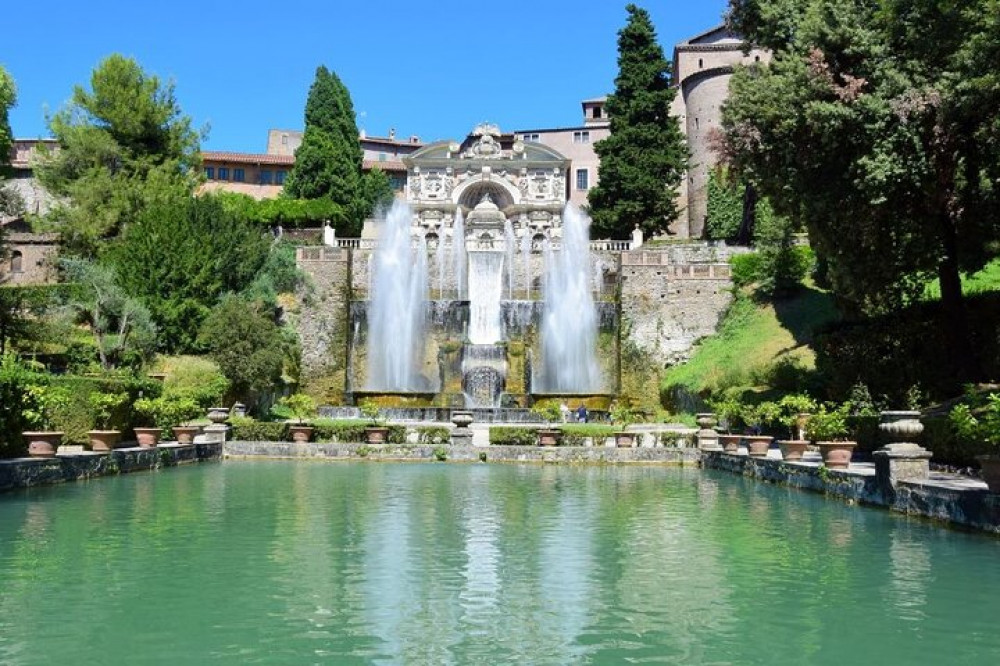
8, 98
246, 429
43, 404
500, 436
746, 268
194, 377
123, 330
278, 275
792, 406
103, 406
761, 415
287, 212
371, 411
440, 453
644, 158
575, 434
246, 344
724, 205
828, 423
428, 435
301, 405
179, 258
328, 163
123, 145
622, 414
977, 420
167, 411
15, 379
548, 410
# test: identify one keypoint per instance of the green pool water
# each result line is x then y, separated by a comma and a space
303, 563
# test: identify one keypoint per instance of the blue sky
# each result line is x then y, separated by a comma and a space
433, 69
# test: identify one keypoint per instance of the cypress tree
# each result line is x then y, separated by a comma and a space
643, 160
328, 163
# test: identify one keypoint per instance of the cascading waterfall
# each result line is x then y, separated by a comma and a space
397, 307
485, 292
458, 253
484, 372
439, 258
569, 319
510, 243
526, 260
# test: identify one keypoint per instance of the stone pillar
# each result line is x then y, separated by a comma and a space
329, 234
461, 435
708, 438
901, 460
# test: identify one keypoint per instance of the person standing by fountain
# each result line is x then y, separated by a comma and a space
581, 413
564, 411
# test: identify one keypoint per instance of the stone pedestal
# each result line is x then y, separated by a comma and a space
461, 435
708, 438
901, 460
217, 432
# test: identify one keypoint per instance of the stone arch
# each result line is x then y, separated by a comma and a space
16, 262
469, 193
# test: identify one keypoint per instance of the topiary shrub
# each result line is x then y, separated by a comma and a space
431, 435
250, 430
512, 436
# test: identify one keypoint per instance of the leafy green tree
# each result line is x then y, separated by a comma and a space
726, 195
124, 144
8, 98
121, 325
643, 159
246, 344
328, 163
876, 125
180, 257
284, 211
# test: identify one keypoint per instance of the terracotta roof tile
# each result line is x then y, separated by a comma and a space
385, 165
247, 158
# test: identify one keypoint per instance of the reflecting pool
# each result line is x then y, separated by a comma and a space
377, 563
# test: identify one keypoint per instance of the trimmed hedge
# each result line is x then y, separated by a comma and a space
433, 435
250, 430
512, 436
346, 431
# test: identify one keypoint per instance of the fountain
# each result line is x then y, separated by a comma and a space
569, 319
398, 303
458, 253
510, 243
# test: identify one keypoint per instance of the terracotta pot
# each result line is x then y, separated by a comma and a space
376, 434
185, 434
300, 433
836, 455
43, 444
757, 445
147, 438
990, 471
103, 441
548, 436
625, 440
730, 443
792, 449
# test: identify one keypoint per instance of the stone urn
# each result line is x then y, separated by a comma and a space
989, 469
625, 440
462, 419
548, 436
104, 441
706, 420
730, 443
901, 426
376, 434
218, 414
43, 444
147, 438
300, 433
239, 410
185, 434
836, 455
758, 445
792, 450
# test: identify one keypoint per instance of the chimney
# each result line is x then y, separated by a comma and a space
392, 133
363, 135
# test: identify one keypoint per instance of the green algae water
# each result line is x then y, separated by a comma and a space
326, 563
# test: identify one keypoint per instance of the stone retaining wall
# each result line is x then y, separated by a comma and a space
27, 472
961, 502
395, 452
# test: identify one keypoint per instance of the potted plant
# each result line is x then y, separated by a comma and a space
376, 431
547, 435
730, 411
103, 438
623, 416
303, 407
148, 411
828, 428
758, 416
180, 410
795, 409
42, 404
982, 425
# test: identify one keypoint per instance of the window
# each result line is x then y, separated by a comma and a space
581, 137
597, 112
223, 173
210, 173
16, 259
381, 157
701, 63
284, 139
265, 176
279, 177
582, 179
397, 183
532, 138
238, 175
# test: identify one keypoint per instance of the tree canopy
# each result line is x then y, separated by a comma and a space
877, 123
328, 163
8, 97
123, 144
643, 159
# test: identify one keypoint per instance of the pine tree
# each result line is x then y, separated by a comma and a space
643, 160
328, 163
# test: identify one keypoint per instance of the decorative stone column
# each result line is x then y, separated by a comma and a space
901, 459
708, 438
461, 435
